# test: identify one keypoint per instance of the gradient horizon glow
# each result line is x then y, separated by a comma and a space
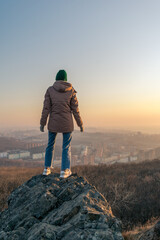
109, 49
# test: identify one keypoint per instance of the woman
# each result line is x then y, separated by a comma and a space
60, 102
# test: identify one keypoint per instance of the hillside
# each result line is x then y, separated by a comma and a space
9, 143
132, 190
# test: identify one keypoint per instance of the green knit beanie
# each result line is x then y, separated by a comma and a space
61, 75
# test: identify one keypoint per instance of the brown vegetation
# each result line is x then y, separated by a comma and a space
133, 190
11, 178
138, 230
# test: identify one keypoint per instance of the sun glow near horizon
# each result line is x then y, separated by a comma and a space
95, 115
110, 50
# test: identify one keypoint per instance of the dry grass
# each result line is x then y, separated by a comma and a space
11, 178
133, 234
133, 190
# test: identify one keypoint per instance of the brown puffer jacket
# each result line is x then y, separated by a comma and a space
60, 102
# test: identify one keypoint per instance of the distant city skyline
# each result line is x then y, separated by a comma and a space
110, 50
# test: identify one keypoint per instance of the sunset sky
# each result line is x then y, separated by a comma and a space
110, 50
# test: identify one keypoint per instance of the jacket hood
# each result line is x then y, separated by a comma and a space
62, 86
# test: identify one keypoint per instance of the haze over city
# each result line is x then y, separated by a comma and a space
109, 49
99, 178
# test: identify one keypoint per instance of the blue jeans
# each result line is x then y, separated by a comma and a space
66, 152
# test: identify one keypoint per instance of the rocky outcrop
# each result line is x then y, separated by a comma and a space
151, 234
47, 207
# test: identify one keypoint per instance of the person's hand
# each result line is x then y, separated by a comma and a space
42, 128
81, 128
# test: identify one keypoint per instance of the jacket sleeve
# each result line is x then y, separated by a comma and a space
75, 109
46, 108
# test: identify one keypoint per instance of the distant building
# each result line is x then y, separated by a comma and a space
17, 154
3, 154
84, 151
57, 163
38, 155
97, 159
85, 160
37, 152
123, 160
74, 159
132, 158
24, 154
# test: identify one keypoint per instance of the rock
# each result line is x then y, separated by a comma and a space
151, 234
48, 207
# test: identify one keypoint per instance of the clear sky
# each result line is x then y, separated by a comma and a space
109, 48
